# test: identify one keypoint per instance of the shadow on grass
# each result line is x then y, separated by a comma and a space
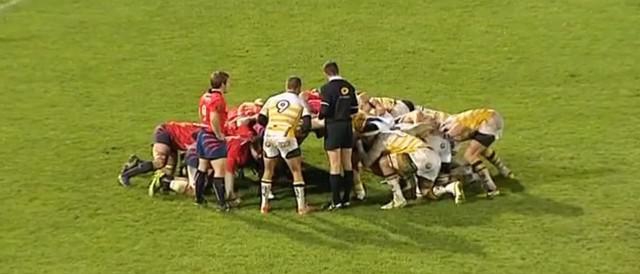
419, 227
346, 232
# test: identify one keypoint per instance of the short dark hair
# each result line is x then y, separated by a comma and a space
331, 68
294, 83
218, 78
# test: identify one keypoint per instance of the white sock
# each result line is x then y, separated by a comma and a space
298, 189
266, 191
439, 191
179, 186
450, 188
487, 181
396, 189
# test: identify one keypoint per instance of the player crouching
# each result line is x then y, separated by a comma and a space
380, 105
168, 139
281, 116
180, 185
426, 127
398, 155
482, 127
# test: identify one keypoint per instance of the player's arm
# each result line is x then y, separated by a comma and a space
369, 157
452, 127
215, 125
306, 119
354, 102
378, 107
263, 116
324, 105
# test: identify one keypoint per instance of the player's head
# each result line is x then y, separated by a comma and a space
358, 121
294, 84
363, 101
219, 80
369, 132
330, 68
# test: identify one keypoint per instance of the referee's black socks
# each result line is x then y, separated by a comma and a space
334, 182
348, 186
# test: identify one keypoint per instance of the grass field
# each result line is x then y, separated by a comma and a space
83, 83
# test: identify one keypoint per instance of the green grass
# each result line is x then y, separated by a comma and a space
83, 83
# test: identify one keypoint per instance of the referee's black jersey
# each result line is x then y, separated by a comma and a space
339, 100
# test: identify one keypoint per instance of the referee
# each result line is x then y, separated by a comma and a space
339, 103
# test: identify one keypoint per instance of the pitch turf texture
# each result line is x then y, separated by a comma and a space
83, 83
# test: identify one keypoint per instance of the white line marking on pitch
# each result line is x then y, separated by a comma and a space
9, 4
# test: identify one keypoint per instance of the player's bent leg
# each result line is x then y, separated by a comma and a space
398, 198
179, 185
473, 156
171, 163
141, 168
393, 180
182, 185
491, 155
161, 154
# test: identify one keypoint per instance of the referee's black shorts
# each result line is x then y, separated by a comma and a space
338, 134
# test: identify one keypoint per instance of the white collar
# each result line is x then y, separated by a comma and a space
335, 77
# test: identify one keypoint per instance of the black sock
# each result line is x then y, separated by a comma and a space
334, 181
348, 185
218, 187
141, 168
200, 183
166, 182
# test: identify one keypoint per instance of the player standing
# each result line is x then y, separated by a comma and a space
339, 103
211, 144
281, 115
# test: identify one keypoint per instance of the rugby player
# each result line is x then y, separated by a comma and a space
398, 155
338, 104
241, 134
168, 138
427, 129
380, 105
211, 144
482, 127
281, 116
179, 185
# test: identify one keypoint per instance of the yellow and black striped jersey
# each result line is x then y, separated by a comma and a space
386, 102
284, 112
438, 116
464, 124
472, 118
400, 142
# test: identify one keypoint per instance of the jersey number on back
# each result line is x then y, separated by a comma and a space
282, 105
203, 111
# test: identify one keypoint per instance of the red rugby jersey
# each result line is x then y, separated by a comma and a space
213, 101
182, 133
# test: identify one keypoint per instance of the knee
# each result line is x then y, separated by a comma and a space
159, 161
347, 165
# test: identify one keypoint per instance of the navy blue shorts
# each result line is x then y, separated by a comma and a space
209, 147
160, 135
191, 157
